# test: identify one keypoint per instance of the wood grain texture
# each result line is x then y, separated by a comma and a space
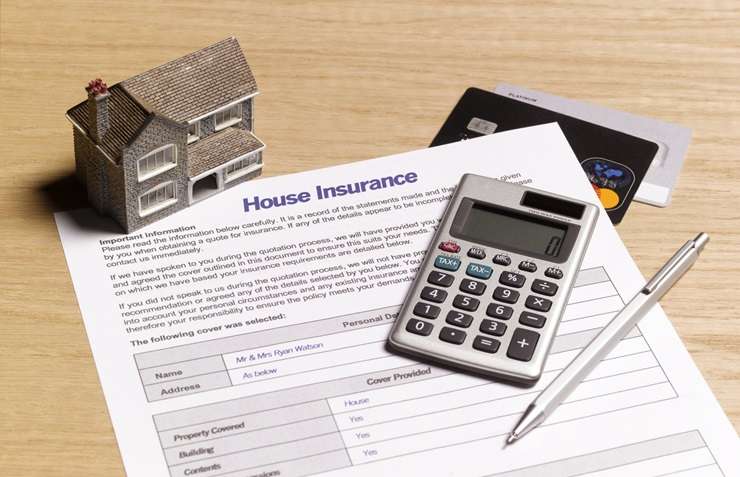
342, 82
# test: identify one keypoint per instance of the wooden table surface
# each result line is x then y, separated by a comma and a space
343, 82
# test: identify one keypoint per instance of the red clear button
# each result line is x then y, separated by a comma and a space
449, 246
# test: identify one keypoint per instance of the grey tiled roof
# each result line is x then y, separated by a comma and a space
219, 148
197, 83
125, 118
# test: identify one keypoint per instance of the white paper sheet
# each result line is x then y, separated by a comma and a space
278, 365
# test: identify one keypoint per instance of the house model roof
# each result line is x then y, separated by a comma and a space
197, 83
126, 117
181, 90
209, 152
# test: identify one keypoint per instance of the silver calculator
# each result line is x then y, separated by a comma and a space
495, 280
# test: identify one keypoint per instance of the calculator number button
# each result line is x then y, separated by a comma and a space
522, 345
506, 295
528, 266
491, 327
532, 319
487, 345
459, 319
544, 287
477, 253
501, 259
465, 303
425, 310
451, 335
433, 294
447, 263
477, 270
419, 327
502, 312
449, 246
512, 279
472, 287
553, 272
537, 303
440, 279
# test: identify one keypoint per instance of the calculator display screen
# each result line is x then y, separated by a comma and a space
509, 229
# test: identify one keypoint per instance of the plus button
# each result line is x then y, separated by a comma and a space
523, 344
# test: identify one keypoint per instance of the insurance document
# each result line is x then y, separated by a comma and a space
245, 336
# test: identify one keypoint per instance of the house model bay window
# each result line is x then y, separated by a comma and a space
157, 198
241, 167
157, 162
228, 116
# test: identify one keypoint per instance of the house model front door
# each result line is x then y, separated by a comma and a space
205, 186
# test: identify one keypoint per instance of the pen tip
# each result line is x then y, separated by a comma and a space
511, 439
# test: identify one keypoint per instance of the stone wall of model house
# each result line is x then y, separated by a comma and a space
103, 179
91, 170
158, 133
115, 188
247, 115
83, 154
207, 126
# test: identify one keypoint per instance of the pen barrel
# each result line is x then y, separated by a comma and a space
591, 355
617, 328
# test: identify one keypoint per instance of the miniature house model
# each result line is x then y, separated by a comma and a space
155, 143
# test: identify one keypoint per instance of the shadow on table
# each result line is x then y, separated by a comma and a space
65, 193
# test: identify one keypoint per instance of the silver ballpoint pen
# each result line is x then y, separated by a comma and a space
559, 389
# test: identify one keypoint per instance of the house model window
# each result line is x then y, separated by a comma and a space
239, 167
193, 132
228, 116
157, 162
157, 198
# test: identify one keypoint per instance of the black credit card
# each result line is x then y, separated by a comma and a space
614, 162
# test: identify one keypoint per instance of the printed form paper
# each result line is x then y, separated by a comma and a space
245, 336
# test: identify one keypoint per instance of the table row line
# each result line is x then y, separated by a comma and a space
477, 426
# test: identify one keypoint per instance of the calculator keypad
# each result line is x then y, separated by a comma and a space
506, 295
502, 312
494, 328
477, 253
527, 266
523, 343
467, 303
433, 294
473, 287
425, 310
449, 246
440, 278
419, 327
537, 303
512, 279
532, 319
544, 288
452, 335
460, 313
478, 270
487, 345
459, 318
447, 263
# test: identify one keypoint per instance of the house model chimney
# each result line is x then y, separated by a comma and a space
97, 109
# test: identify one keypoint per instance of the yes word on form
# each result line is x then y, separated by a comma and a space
251, 341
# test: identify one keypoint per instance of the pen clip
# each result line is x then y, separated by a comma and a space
667, 269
